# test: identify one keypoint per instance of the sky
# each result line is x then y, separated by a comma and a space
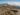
16, 2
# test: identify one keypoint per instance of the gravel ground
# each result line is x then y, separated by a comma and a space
7, 11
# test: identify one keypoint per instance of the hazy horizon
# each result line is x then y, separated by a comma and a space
11, 2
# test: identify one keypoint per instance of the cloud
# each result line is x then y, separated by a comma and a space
11, 2
18, 3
